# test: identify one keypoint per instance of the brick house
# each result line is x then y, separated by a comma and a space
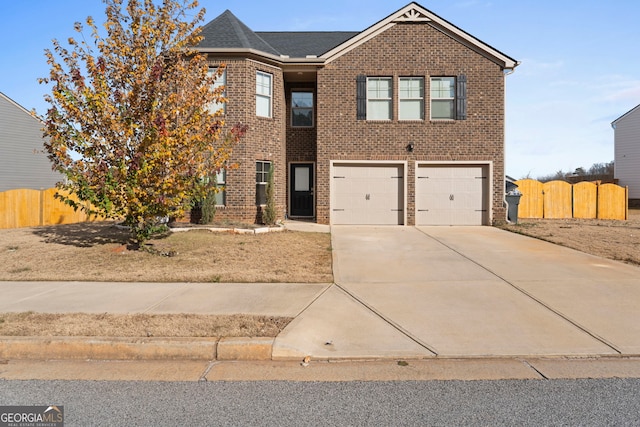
401, 124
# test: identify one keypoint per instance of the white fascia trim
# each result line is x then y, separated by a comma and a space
358, 40
457, 34
615, 122
20, 107
416, 13
275, 58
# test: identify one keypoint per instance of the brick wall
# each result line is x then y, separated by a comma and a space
410, 50
265, 139
301, 142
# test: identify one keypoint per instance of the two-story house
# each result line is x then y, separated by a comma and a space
400, 124
626, 129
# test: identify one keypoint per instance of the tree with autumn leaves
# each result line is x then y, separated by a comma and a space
134, 123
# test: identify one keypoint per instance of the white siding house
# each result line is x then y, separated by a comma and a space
23, 163
626, 130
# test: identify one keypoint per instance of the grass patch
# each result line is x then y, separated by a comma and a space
98, 252
139, 325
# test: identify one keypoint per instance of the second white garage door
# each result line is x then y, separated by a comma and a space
451, 194
367, 194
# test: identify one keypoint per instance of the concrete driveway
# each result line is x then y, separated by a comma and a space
465, 292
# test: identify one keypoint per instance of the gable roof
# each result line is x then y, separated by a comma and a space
228, 34
413, 12
615, 122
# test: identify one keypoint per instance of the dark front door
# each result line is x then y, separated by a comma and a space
301, 191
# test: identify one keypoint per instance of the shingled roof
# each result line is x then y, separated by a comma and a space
228, 32
302, 44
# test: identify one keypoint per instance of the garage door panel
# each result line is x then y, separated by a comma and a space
451, 195
367, 194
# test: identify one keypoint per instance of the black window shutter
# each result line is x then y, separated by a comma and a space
461, 97
361, 97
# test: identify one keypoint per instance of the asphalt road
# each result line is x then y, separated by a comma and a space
434, 403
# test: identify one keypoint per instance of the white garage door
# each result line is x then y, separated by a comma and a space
367, 194
451, 195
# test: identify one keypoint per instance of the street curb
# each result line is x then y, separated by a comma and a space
118, 348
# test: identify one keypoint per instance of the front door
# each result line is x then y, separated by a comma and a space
301, 190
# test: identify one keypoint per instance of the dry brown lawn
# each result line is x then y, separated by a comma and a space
617, 240
98, 252
139, 325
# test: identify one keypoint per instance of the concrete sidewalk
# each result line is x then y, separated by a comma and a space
399, 292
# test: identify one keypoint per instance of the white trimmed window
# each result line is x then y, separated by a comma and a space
443, 93
220, 83
262, 177
264, 90
221, 187
301, 109
379, 95
411, 98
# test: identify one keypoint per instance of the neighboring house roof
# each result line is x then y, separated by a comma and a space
613, 123
228, 34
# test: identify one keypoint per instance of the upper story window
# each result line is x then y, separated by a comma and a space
264, 91
379, 96
301, 109
411, 98
448, 98
219, 84
443, 95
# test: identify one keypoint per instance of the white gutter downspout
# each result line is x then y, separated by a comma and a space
504, 140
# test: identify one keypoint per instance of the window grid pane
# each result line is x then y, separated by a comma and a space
262, 175
221, 191
442, 109
411, 98
442, 97
221, 81
262, 172
263, 94
379, 93
302, 109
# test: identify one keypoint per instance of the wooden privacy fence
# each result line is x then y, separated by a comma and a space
559, 199
30, 208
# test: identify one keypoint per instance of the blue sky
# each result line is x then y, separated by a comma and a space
580, 60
